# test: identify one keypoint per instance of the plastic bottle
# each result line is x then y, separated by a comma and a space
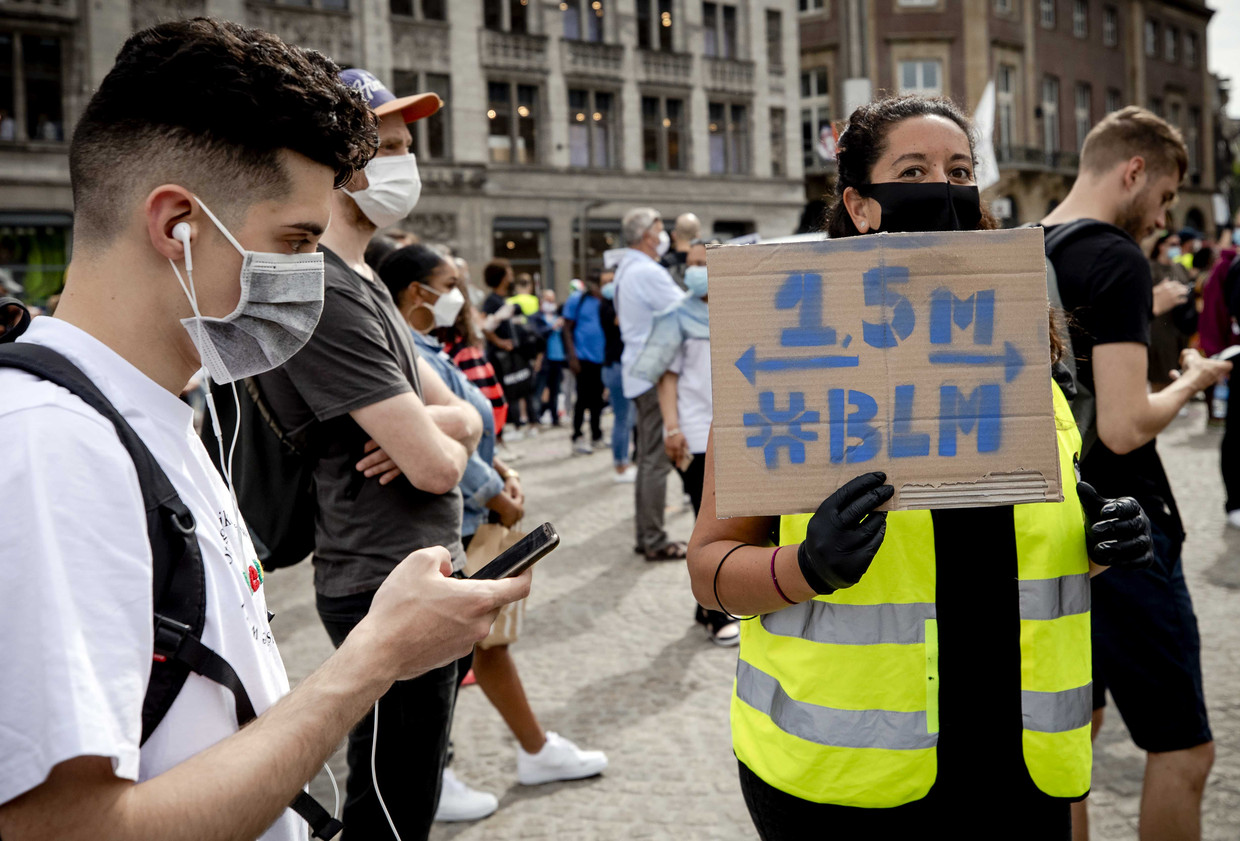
1218, 408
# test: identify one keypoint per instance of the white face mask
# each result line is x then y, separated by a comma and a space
281, 301
447, 307
393, 191
665, 242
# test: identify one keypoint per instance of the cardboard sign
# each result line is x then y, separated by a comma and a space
926, 356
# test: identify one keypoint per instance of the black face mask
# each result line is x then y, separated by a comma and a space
935, 206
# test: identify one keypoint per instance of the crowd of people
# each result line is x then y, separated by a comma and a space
901, 671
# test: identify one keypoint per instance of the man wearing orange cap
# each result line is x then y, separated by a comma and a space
357, 384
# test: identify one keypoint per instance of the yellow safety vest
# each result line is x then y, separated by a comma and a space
836, 699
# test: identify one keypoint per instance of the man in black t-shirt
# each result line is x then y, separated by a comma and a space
1147, 651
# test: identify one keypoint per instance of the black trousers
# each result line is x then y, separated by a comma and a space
1230, 452
589, 396
415, 718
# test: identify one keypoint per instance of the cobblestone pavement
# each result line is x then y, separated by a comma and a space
611, 659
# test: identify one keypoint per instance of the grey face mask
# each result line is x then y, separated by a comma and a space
281, 301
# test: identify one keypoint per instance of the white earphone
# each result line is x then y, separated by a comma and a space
181, 231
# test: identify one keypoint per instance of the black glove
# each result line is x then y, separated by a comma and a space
839, 545
1117, 531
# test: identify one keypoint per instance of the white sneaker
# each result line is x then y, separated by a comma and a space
558, 760
581, 448
459, 802
1233, 519
514, 434
626, 477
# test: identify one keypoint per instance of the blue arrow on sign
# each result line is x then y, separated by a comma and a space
750, 365
1010, 359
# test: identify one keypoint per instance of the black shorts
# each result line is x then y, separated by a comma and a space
1147, 652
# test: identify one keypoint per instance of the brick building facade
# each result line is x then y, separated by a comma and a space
1058, 67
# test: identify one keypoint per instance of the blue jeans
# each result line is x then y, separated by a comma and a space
623, 410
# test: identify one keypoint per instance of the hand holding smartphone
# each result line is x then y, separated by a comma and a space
521, 555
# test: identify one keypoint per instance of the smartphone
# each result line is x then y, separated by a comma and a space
1227, 354
521, 555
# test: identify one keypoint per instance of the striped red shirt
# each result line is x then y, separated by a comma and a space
473, 363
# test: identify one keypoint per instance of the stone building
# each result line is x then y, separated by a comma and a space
1058, 67
557, 113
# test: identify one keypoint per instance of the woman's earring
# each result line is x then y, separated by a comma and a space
862, 225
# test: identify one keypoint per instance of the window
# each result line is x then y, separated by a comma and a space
779, 143
32, 90
1171, 42
419, 9
590, 118
805, 6
816, 117
916, 3
1048, 13
1151, 38
1003, 7
1114, 100
506, 15
1083, 113
1080, 18
719, 30
775, 39
654, 25
1005, 106
663, 134
729, 138
1156, 105
1192, 139
1175, 111
512, 113
583, 20
1190, 49
1110, 26
1050, 115
432, 137
921, 77
523, 242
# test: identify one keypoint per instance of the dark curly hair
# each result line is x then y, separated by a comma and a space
209, 105
865, 140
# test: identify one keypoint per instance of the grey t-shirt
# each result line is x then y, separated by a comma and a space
361, 353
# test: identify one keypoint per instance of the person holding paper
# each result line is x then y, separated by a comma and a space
905, 670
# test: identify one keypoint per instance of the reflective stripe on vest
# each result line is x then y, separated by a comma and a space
826, 726
836, 699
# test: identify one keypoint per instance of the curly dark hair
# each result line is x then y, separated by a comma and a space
210, 105
865, 140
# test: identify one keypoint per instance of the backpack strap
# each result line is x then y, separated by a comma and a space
178, 577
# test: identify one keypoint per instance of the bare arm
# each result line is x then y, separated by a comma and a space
237, 788
454, 416
675, 445
1128, 415
408, 434
570, 347
745, 585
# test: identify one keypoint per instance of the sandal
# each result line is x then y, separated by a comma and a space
673, 551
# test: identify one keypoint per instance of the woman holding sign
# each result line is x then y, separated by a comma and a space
915, 666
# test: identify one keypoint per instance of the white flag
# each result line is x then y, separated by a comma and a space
987, 173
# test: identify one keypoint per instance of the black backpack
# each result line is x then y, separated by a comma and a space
178, 580
273, 472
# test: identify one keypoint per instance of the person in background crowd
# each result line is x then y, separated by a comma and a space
424, 285
915, 670
1175, 310
1217, 331
551, 373
526, 406
523, 297
464, 342
245, 164
613, 379
361, 382
1146, 646
516, 374
688, 228
643, 287
1191, 241
1203, 261
584, 348
677, 358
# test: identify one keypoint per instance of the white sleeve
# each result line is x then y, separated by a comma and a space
75, 595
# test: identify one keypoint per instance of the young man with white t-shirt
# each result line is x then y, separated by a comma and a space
212, 140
